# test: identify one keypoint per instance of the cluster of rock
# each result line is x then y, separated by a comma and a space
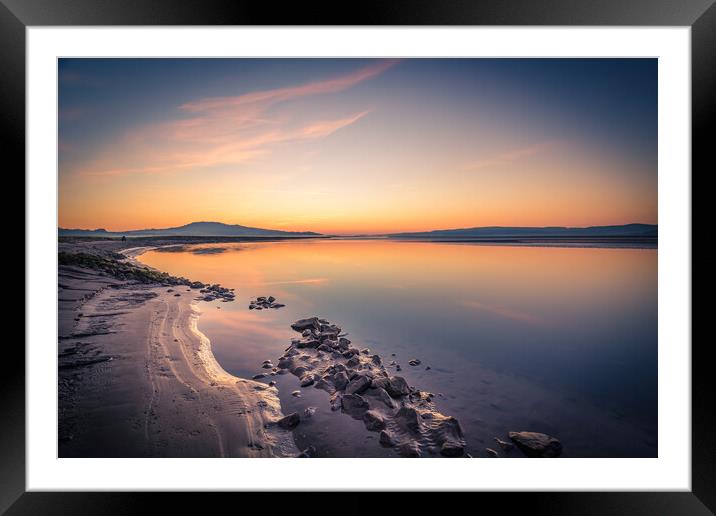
360, 386
216, 291
535, 444
264, 302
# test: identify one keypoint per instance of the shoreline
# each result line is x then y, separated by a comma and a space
137, 378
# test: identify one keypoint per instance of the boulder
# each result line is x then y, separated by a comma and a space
340, 380
452, 449
306, 324
396, 386
409, 419
358, 384
535, 444
383, 396
386, 439
307, 380
354, 404
409, 449
289, 422
373, 421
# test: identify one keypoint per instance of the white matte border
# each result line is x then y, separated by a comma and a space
670, 471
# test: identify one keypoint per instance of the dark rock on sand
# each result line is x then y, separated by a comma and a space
306, 324
504, 444
340, 380
452, 449
396, 386
409, 449
358, 384
535, 444
354, 404
373, 421
491, 452
414, 362
387, 439
307, 380
408, 419
289, 422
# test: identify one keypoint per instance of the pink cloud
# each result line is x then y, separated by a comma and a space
225, 130
511, 155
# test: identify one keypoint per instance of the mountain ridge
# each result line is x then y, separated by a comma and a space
195, 229
623, 230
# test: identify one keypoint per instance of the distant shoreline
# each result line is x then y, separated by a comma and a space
616, 241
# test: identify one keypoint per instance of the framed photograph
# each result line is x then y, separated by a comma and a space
427, 248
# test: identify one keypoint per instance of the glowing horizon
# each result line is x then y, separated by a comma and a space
351, 146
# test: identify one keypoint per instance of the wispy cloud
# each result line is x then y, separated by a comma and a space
511, 156
226, 130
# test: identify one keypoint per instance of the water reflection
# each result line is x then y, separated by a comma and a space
561, 340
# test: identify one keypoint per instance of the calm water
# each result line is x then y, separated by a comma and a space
547, 339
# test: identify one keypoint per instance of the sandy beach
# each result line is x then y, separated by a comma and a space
137, 378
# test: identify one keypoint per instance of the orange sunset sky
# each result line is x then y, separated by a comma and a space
351, 146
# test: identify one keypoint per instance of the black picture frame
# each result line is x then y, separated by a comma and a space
700, 15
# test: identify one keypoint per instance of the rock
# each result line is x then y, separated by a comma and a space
289, 422
307, 380
535, 444
375, 359
354, 404
386, 439
409, 419
452, 449
414, 362
325, 347
308, 412
491, 452
353, 362
427, 368
259, 376
396, 386
373, 421
323, 384
267, 366
340, 380
343, 343
296, 394
278, 305
358, 384
284, 363
299, 371
271, 299
306, 324
272, 383
383, 396
409, 449
504, 444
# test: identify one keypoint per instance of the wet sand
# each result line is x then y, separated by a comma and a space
137, 379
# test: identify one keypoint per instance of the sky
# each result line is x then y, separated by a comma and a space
352, 146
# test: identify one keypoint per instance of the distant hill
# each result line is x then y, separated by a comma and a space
626, 230
194, 229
